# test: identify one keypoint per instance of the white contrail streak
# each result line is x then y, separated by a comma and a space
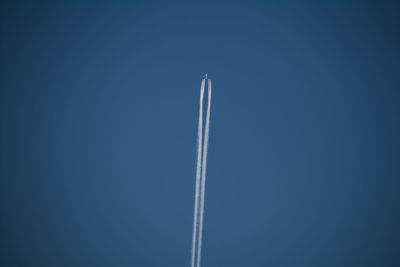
203, 174
198, 168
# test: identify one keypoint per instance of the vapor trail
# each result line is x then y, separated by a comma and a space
203, 174
198, 168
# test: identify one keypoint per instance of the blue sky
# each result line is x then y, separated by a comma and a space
98, 110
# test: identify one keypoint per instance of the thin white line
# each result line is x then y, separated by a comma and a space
198, 168
203, 173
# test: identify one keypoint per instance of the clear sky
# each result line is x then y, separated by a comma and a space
98, 122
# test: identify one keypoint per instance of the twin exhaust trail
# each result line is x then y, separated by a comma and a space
200, 175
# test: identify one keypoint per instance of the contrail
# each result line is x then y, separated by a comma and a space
203, 174
198, 168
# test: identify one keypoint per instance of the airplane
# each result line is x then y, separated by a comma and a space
205, 76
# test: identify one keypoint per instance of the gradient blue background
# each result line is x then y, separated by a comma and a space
98, 113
